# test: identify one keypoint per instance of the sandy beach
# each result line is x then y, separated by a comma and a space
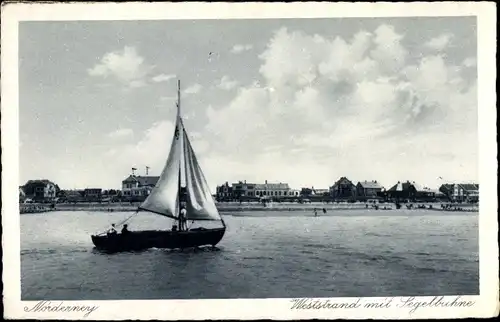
237, 207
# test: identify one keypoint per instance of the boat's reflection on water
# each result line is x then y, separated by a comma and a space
191, 250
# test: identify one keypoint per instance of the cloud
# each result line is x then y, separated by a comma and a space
163, 78
193, 89
137, 83
126, 65
469, 62
239, 48
226, 83
121, 133
439, 43
388, 52
151, 149
353, 104
168, 98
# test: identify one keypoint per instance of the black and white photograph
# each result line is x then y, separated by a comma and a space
298, 158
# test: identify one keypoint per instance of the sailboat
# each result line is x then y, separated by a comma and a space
190, 203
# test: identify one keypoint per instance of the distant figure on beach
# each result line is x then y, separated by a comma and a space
315, 213
112, 230
125, 229
324, 210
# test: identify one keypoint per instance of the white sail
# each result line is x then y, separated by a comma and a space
200, 203
164, 198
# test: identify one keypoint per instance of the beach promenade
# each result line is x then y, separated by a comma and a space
237, 207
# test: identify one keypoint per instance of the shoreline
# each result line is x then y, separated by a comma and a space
228, 207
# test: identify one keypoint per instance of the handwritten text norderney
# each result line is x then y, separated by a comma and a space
49, 306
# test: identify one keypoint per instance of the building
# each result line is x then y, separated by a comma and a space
461, 191
92, 194
294, 193
22, 195
137, 188
410, 191
313, 192
72, 195
343, 189
424, 193
40, 190
402, 191
368, 189
224, 192
272, 190
243, 190
320, 192
306, 192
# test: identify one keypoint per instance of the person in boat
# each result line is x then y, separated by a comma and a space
174, 227
112, 230
182, 218
125, 229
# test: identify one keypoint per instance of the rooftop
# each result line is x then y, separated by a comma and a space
264, 186
469, 186
142, 180
370, 184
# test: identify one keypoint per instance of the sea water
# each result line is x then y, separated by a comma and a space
262, 255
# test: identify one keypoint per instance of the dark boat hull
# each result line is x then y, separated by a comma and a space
139, 240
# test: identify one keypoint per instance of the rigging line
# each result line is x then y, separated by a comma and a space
122, 222
128, 218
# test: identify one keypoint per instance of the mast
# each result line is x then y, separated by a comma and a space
180, 165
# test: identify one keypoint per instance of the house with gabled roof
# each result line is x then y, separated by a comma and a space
40, 190
368, 189
410, 190
402, 190
343, 189
461, 191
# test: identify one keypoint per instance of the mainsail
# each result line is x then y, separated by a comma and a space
164, 198
200, 203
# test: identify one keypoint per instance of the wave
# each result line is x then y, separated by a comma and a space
53, 251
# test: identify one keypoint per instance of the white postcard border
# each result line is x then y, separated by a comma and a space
486, 304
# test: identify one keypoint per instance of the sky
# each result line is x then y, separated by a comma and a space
301, 101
